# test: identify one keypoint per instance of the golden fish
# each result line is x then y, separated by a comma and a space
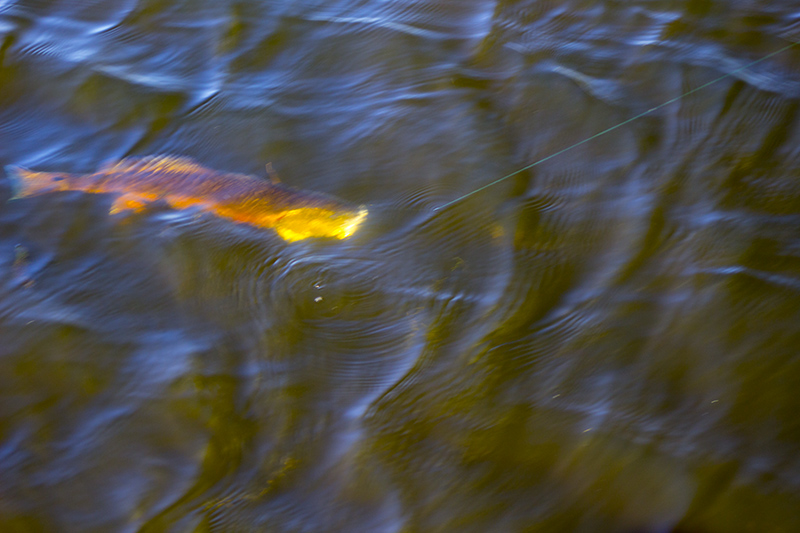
182, 182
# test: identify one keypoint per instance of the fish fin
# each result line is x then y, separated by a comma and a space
155, 163
188, 203
109, 164
119, 164
16, 177
273, 176
127, 202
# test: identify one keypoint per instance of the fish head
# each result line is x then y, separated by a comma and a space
319, 221
26, 182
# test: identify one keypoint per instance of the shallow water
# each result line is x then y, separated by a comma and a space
608, 341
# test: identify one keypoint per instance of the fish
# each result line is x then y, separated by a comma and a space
183, 183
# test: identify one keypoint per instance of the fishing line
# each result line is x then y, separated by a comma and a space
612, 128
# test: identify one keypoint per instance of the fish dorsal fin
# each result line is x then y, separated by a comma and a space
154, 163
273, 176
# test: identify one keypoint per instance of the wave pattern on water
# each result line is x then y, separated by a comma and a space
606, 342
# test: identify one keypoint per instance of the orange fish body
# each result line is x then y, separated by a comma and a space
182, 183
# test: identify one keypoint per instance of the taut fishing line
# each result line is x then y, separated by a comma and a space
612, 128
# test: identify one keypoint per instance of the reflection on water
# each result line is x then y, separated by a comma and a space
605, 342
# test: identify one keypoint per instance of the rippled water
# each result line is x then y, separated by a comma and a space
608, 341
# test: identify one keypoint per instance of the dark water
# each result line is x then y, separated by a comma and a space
607, 342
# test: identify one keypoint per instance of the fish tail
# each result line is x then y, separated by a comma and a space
16, 180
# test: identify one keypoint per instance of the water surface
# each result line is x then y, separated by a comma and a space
606, 342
